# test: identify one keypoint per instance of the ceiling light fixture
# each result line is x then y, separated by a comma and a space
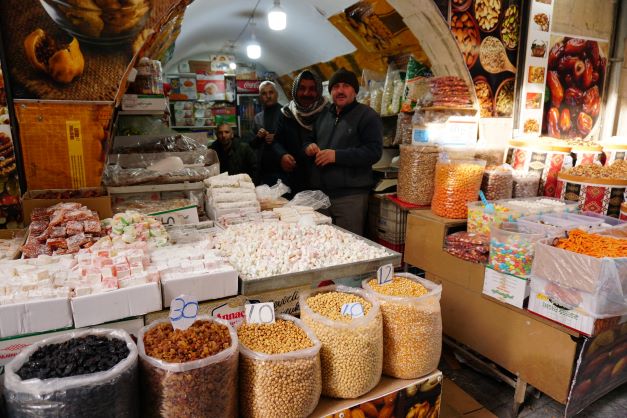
232, 66
253, 49
277, 18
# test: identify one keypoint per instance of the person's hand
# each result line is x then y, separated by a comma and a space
312, 150
261, 133
269, 138
324, 157
288, 163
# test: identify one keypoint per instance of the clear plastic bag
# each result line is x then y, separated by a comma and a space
391, 78
403, 129
497, 182
412, 330
525, 184
265, 192
376, 96
280, 385
110, 393
416, 173
200, 388
456, 183
147, 145
352, 352
315, 199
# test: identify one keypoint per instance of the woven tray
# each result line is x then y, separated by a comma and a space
104, 67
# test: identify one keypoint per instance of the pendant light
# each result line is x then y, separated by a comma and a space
253, 49
277, 18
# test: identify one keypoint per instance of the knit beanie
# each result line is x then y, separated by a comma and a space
344, 76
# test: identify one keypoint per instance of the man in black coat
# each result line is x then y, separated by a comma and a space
263, 131
346, 141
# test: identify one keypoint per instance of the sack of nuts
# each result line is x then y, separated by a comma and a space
189, 373
348, 323
280, 372
456, 183
412, 324
416, 173
91, 373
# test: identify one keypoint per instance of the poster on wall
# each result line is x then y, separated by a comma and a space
73, 50
488, 34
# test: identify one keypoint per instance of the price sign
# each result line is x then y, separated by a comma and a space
183, 311
259, 313
354, 310
385, 273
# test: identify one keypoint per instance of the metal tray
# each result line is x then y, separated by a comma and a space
307, 277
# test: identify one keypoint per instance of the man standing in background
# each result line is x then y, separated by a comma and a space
235, 156
347, 140
295, 125
264, 128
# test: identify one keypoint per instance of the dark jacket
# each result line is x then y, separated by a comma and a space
267, 163
289, 139
356, 135
240, 158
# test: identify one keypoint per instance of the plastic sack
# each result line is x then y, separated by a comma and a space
145, 145
403, 129
497, 182
512, 247
392, 79
352, 352
110, 393
265, 192
594, 286
412, 330
280, 385
416, 173
200, 388
468, 246
315, 199
456, 183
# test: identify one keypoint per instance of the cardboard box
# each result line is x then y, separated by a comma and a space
419, 395
101, 204
138, 102
542, 305
202, 287
116, 304
506, 288
11, 347
34, 316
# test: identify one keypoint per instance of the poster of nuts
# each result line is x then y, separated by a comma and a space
488, 35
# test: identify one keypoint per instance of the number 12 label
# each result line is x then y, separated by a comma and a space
384, 274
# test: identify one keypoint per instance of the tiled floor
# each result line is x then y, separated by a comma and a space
497, 396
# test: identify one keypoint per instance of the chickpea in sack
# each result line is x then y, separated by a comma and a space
352, 344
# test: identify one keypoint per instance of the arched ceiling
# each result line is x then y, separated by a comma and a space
211, 25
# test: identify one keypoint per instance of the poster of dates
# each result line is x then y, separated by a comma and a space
488, 34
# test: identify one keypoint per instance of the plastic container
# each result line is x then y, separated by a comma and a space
497, 183
417, 173
512, 248
110, 393
206, 387
537, 206
525, 184
479, 221
352, 352
280, 385
456, 183
412, 330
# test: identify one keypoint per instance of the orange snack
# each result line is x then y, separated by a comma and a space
456, 183
593, 245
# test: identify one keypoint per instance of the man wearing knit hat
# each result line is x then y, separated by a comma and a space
295, 125
346, 141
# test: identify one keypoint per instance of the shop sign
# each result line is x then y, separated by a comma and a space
248, 86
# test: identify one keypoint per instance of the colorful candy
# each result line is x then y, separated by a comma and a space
512, 249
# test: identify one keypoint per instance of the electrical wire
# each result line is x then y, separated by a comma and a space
250, 18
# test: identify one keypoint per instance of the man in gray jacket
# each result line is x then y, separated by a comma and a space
347, 140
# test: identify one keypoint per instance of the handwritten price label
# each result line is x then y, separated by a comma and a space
354, 310
260, 313
183, 311
385, 273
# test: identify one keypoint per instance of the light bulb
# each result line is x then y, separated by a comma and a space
232, 65
277, 18
253, 50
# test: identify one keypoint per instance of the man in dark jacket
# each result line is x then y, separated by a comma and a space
235, 156
296, 124
346, 141
264, 128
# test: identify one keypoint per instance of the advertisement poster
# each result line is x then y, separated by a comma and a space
488, 34
73, 50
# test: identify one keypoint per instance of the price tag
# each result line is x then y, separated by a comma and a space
183, 311
385, 273
354, 310
259, 313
